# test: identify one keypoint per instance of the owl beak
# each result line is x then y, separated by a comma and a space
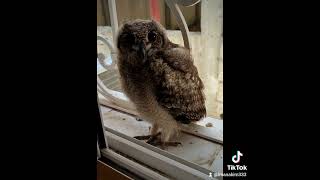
142, 51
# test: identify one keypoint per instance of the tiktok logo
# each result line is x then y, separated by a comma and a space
236, 158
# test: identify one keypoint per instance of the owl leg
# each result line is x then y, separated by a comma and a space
153, 134
155, 138
163, 140
168, 130
164, 143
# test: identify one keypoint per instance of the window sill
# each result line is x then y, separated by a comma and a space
202, 152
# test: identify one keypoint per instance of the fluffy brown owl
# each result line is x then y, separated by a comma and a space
159, 77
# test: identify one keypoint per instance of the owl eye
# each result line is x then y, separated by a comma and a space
152, 36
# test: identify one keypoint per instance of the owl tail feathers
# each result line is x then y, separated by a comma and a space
182, 119
185, 120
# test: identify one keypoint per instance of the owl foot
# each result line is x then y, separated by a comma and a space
164, 144
147, 137
156, 141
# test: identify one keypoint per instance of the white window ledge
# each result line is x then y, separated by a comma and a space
197, 152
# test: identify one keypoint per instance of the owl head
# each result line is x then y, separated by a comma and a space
138, 37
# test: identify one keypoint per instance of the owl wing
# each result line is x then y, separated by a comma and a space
177, 85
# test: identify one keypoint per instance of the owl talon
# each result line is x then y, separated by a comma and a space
142, 137
171, 143
164, 145
154, 140
153, 137
149, 138
157, 142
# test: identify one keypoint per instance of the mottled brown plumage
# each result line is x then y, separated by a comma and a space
159, 77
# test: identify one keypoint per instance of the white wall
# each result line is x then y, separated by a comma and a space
210, 62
